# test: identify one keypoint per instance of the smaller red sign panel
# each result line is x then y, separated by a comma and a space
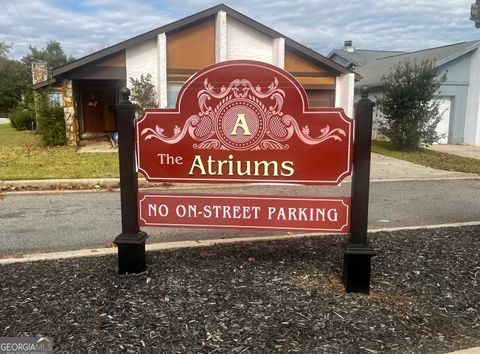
245, 212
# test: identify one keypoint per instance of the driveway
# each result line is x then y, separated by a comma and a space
460, 150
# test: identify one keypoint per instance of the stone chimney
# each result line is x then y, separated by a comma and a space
348, 46
40, 72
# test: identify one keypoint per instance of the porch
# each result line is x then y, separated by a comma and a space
95, 102
90, 94
96, 142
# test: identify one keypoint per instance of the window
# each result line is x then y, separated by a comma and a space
173, 88
55, 99
321, 98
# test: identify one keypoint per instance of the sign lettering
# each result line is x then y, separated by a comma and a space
244, 212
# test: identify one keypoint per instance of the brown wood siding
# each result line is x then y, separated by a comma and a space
90, 72
316, 80
179, 75
321, 98
192, 48
295, 63
117, 60
306, 72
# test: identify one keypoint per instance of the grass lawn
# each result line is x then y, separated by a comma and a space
429, 158
23, 157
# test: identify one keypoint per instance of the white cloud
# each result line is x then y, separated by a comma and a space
90, 25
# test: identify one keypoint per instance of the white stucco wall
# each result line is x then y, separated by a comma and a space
244, 42
344, 93
142, 59
472, 118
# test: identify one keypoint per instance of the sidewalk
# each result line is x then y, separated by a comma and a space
470, 151
388, 168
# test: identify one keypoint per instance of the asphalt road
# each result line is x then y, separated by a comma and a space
38, 222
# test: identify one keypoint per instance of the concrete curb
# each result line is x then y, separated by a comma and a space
43, 183
100, 182
114, 182
102, 251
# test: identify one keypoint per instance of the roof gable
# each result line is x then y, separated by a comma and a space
373, 71
192, 20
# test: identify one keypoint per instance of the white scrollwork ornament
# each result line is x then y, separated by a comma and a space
204, 127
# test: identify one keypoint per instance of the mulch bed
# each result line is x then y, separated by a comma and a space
283, 296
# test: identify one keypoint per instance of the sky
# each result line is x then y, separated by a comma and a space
83, 27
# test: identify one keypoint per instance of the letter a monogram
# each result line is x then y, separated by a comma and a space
241, 123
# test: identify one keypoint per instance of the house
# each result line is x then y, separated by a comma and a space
459, 95
173, 53
351, 58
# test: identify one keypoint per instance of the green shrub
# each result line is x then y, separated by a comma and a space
51, 126
22, 118
410, 109
50, 121
143, 93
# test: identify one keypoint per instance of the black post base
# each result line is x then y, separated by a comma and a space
131, 253
356, 268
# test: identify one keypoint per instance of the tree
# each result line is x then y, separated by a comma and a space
16, 76
143, 93
410, 110
4, 49
13, 80
475, 13
53, 54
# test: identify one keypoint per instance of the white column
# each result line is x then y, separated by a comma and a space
162, 70
344, 92
338, 87
279, 52
221, 37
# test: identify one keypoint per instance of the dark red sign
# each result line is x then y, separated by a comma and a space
244, 121
244, 212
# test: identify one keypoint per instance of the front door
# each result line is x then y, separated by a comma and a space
93, 110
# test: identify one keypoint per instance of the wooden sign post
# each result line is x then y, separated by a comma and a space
131, 242
358, 255
242, 121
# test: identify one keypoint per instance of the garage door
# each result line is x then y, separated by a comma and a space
445, 104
